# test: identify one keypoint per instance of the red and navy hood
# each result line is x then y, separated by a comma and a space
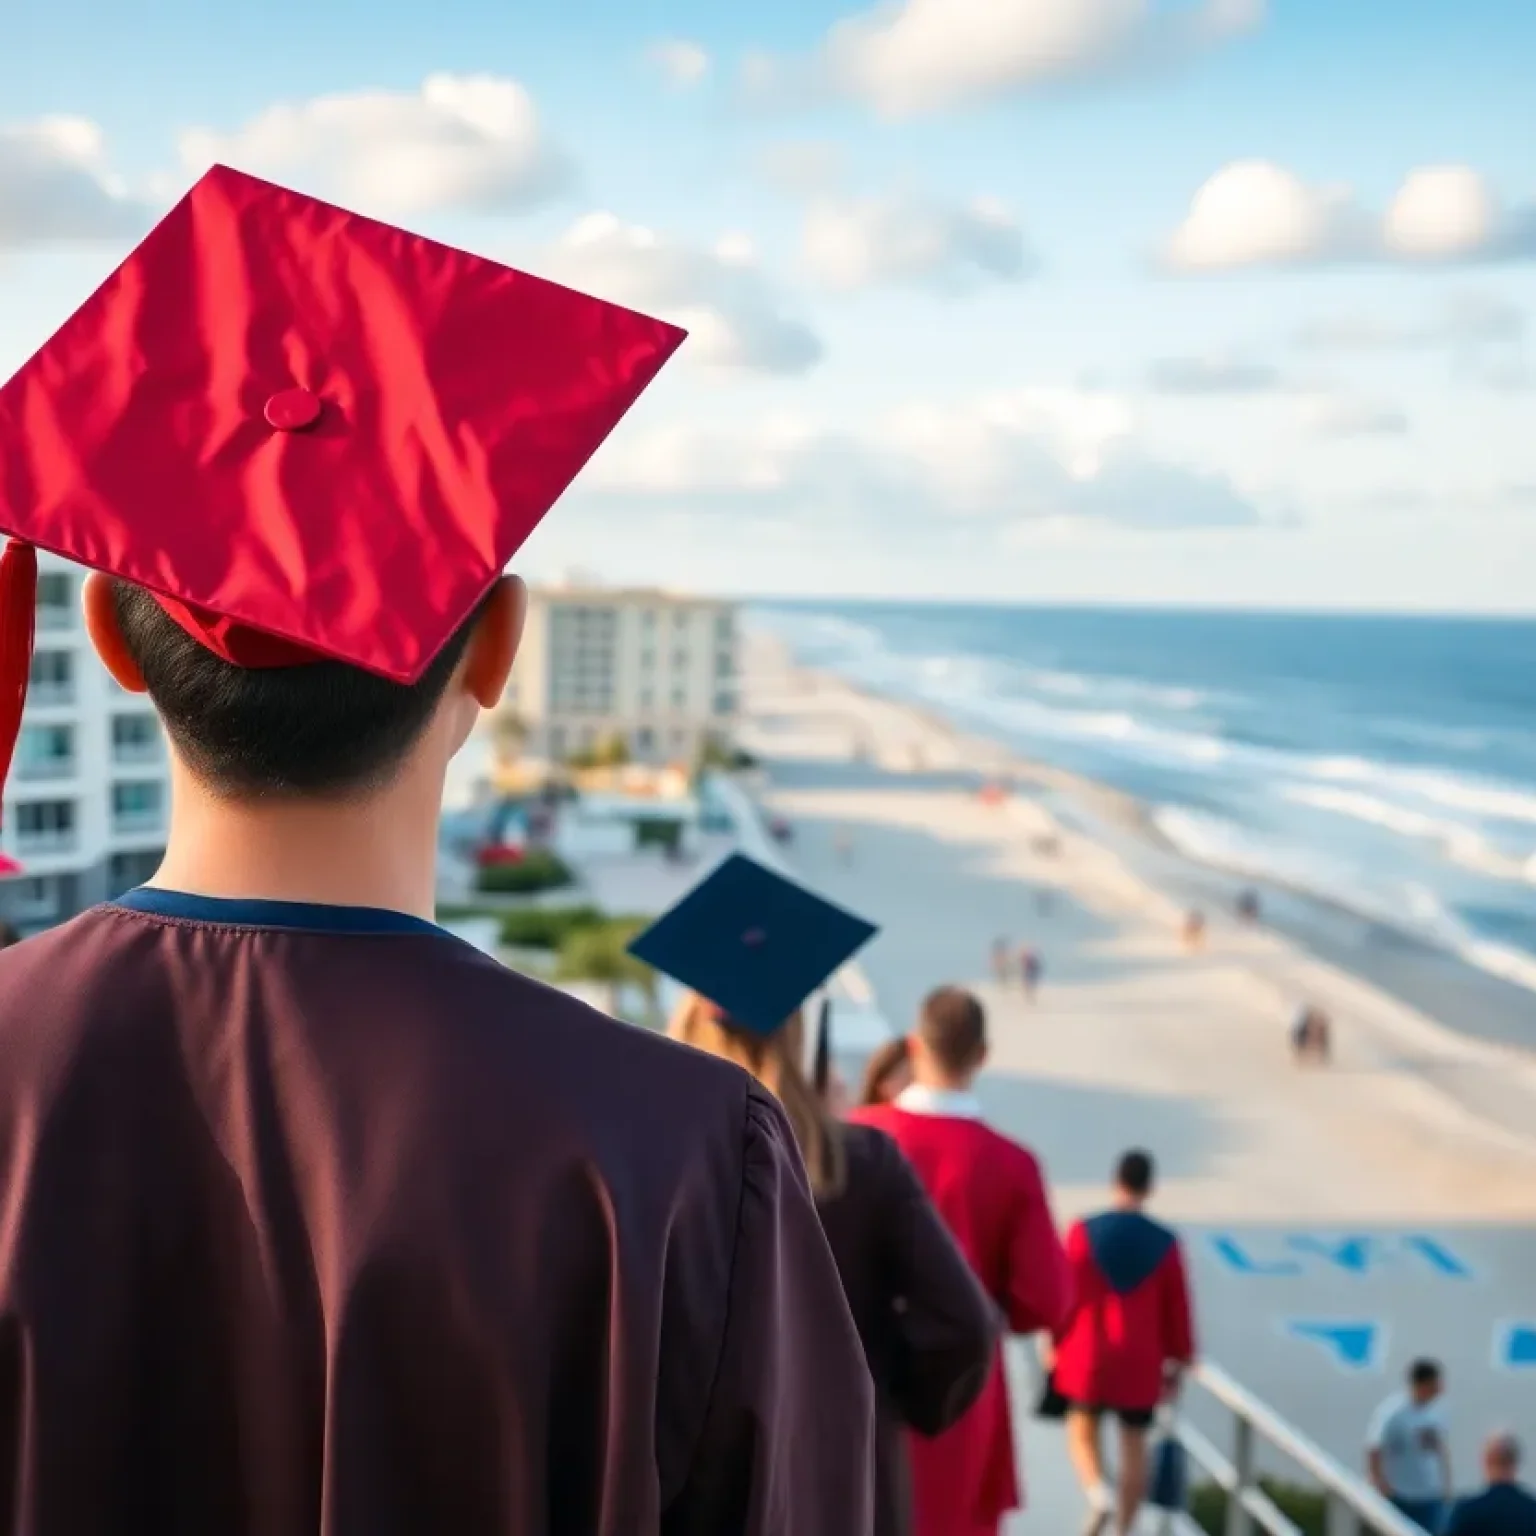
1127, 1248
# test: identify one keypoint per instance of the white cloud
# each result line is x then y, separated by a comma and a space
1346, 416
858, 242
55, 187
1470, 319
1030, 456
1253, 213
470, 142
735, 316
922, 56
1218, 374
681, 62
802, 167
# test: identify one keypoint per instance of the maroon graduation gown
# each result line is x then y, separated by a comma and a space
318, 1220
928, 1328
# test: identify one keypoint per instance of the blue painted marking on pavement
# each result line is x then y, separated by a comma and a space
1355, 1346
1514, 1347
1360, 1254
1237, 1257
1437, 1256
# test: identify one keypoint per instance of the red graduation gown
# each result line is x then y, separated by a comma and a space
928, 1328
1130, 1313
990, 1192
317, 1221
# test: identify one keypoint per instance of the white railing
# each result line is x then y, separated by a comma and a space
1353, 1507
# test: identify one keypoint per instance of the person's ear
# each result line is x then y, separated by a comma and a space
97, 598
981, 1057
493, 646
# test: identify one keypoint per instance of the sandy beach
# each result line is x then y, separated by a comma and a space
1395, 1190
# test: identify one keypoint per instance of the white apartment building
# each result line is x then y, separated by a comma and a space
88, 797
655, 668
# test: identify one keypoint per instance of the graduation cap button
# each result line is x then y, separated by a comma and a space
291, 410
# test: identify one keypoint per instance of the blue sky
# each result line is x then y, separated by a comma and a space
1311, 395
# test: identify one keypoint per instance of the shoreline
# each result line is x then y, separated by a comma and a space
1398, 995
1429, 977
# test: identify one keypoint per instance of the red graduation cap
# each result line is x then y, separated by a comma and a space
309, 434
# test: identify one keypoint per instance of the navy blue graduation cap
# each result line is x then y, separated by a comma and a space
753, 943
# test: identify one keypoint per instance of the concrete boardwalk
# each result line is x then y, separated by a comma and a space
1339, 1222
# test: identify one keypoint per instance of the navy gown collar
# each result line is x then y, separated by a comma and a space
307, 916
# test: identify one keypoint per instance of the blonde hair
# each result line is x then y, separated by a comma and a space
775, 1061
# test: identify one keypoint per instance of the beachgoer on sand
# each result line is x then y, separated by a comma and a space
991, 1192
1031, 967
928, 1328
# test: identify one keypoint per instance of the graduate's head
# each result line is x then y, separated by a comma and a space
1135, 1175
752, 947
324, 729
949, 1045
299, 448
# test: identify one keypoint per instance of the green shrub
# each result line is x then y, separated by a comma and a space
658, 832
545, 927
714, 753
1301, 1504
537, 870
599, 954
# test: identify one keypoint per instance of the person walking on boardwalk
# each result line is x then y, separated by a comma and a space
1408, 1451
991, 1193
927, 1327
1128, 1338
316, 1218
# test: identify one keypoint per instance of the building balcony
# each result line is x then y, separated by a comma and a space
137, 754
54, 617
138, 823
46, 768
50, 695
50, 841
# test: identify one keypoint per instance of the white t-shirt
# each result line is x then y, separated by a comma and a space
1409, 1436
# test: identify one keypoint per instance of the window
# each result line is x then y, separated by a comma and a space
52, 679
679, 698
44, 826
135, 738
647, 698
679, 661
645, 742
647, 659
137, 806
725, 702
45, 752
647, 620
38, 899
725, 664
725, 628
55, 600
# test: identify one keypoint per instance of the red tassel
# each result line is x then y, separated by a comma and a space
18, 613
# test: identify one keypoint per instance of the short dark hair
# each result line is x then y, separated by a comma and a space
1424, 1373
1136, 1172
953, 1026
252, 732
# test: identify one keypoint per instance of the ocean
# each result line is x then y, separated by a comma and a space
1385, 767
